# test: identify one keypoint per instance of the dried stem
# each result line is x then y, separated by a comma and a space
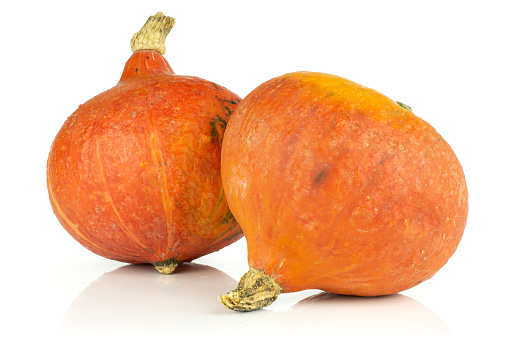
255, 291
153, 34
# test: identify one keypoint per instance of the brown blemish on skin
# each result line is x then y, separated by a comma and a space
320, 176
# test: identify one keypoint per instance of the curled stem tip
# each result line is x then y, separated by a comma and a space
255, 291
167, 266
153, 34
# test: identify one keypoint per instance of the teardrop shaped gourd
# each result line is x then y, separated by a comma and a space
338, 188
134, 173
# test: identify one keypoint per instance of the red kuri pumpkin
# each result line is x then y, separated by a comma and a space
339, 188
134, 173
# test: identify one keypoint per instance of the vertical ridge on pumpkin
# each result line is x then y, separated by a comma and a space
104, 182
157, 156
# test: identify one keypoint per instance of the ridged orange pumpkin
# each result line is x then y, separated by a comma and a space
338, 188
134, 173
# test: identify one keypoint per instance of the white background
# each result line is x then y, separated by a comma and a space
448, 60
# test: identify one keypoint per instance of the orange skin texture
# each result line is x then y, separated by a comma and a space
339, 188
134, 173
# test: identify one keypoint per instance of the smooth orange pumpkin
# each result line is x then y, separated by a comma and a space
134, 173
338, 188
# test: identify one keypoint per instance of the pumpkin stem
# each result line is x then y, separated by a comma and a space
255, 290
153, 34
167, 266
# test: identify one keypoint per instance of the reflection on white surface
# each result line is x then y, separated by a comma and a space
382, 316
136, 300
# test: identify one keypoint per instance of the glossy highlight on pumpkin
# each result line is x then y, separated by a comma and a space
339, 188
134, 173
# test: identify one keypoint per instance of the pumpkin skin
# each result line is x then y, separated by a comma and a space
134, 173
339, 188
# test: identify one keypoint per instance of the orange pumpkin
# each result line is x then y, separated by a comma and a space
134, 173
338, 188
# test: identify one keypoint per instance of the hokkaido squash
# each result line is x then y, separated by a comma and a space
338, 188
134, 173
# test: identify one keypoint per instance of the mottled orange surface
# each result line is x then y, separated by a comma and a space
134, 173
339, 188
